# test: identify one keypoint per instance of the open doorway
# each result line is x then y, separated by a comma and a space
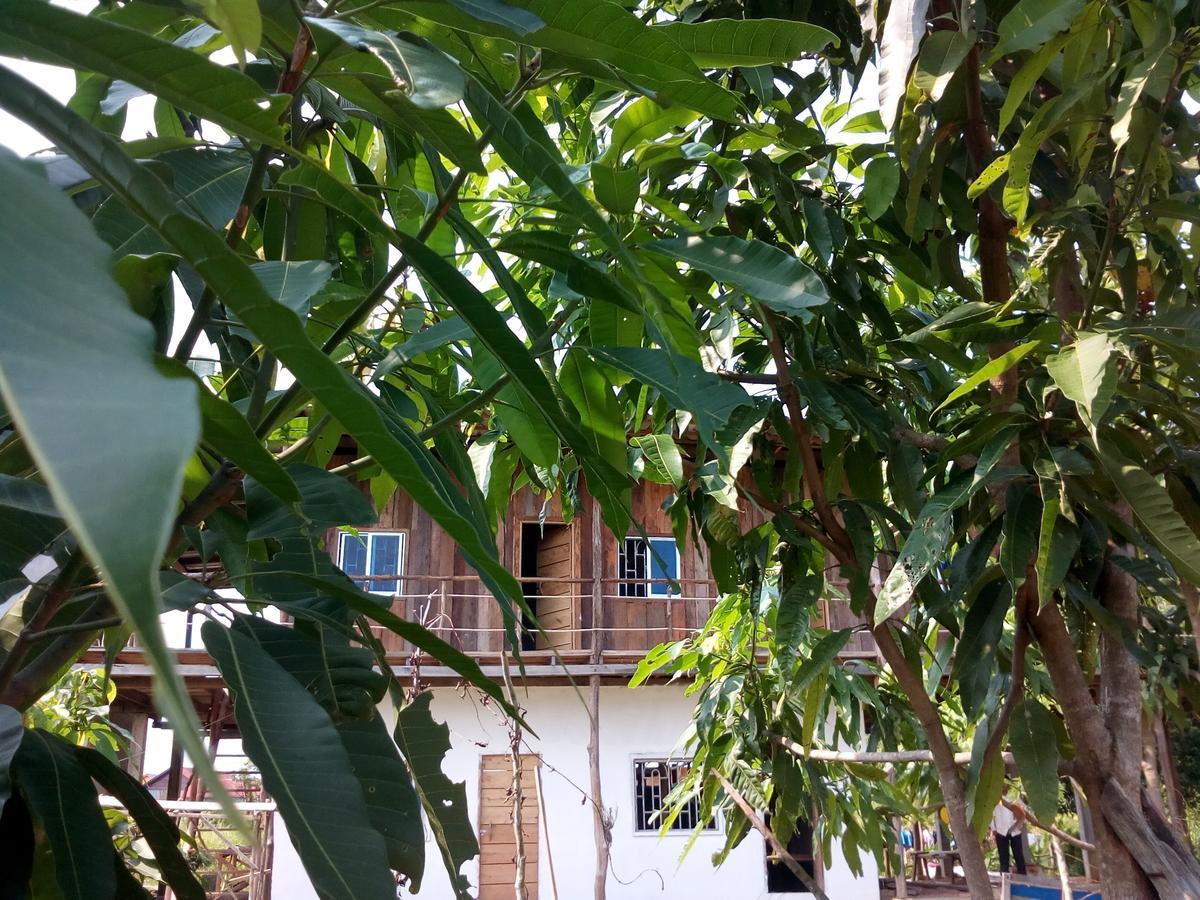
548, 555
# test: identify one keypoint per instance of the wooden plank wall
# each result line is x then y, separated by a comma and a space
497, 836
444, 593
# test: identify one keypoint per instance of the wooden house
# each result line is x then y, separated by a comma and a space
602, 603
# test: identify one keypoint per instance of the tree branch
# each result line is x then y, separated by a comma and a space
769, 836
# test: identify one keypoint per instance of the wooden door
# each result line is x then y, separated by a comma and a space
557, 603
497, 838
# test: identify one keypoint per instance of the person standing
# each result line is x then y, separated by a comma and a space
1008, 828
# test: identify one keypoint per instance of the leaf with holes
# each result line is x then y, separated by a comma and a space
424, 744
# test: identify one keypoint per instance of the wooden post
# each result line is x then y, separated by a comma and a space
1170, 778
1086, 831
600, 833
1064, 877
545, 829
516, 791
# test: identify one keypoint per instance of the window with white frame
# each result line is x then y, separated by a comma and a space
647, 566
374, 559
653, 779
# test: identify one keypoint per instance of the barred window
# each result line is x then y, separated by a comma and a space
646, 567
653, 779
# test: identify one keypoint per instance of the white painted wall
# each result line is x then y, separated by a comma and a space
646, 722
288, 881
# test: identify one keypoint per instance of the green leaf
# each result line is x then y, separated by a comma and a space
424, 744
305, 768
989, 788
26, 496
1086, 373
725, 43
391, 443
530, 159
902, 33
1155, 65
1036, 132
664, 463
337, 673
147, 282
238, 20
1058, 541
438, 126
584, 276
227, 431
975, 655
60, 794
941, 55
988, 176
592, 396
436, 336
683, 383
1031, 23
210, 182
1018, 549
817, 691
76, 360
608, 33
988, 371
521, 419
392, 802
515, 19
368, 605
48, 33
616, 187
1151, 504
643, 122
766, 273
326, 500
429, 78
823, 655
532, 318
605, 481
796, 601
158, 828
930, 532
293, 283
11, 732
881, 179
1034, 742
1025, 79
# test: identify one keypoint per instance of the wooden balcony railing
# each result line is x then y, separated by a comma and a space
633, 615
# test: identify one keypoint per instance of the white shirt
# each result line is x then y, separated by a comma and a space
1004, 822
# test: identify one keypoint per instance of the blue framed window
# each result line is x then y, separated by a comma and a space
374, 559
645, 567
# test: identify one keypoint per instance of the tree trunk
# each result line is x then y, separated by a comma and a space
954, 791
1121, 705
1138, 855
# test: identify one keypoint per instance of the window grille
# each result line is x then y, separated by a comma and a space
653, 779
644, 567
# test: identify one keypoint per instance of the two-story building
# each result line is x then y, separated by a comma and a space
602, 603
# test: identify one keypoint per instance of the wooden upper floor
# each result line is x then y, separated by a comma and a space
591, 592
